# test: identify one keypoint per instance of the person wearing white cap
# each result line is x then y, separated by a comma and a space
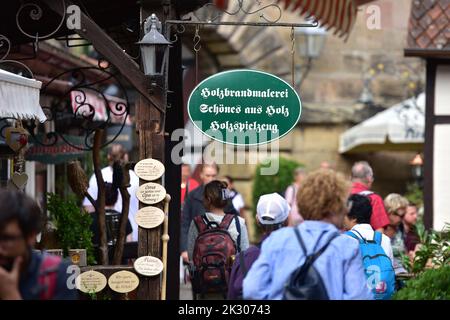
272, 212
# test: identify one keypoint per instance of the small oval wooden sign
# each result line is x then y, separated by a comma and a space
149, 169
91, 281
151, 193
148, 266
123, 281
149, 217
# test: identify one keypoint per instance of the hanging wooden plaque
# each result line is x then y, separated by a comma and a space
149, 217
123, 281
148, 266
149, 169
151, 193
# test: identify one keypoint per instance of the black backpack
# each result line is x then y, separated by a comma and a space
305, 282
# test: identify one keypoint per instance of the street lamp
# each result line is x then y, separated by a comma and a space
417, 168
154, 48
310, 42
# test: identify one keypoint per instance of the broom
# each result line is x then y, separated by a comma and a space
165, 240
78, 181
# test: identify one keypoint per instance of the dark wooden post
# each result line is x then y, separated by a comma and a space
151, 145
98, 138
118, 251
174, 120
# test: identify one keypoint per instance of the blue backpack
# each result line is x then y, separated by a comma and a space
377, 266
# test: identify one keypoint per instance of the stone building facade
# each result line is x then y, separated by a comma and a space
371, 60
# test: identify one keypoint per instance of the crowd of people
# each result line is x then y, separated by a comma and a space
324, 229
324, 237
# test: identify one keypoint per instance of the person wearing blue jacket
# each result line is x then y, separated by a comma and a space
323, 204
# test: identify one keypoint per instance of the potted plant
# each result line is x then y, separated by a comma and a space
432, 284
71, 229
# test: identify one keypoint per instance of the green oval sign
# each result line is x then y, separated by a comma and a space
244, 107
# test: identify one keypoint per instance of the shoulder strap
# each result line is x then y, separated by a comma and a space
300, 240
360, 235
226, 221
187, 189
354, 236
377, 237
322, 250
238, 228
200, 223
47, 278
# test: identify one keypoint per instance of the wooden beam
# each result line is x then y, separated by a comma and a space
151, 145
429, 144
106, 46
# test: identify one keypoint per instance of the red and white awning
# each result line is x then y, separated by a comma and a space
339, 15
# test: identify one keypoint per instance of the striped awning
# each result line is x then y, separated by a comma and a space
19, 97
337, 15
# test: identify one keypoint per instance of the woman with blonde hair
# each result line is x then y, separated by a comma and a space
396, 205
334, 257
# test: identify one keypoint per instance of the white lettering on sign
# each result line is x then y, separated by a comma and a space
247, 93
243, 126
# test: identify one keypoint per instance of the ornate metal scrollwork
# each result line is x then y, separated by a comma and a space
241, 9
215, 15
32, 11
5, 47
85, 103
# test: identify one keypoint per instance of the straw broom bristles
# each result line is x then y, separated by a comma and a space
77, 178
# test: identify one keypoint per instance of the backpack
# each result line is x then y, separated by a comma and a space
214, 250
305, 282
48, 276
377, 266
243, 268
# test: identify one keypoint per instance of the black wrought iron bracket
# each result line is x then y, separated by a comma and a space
215, 20
250, 24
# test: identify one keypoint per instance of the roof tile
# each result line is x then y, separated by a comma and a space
429, 25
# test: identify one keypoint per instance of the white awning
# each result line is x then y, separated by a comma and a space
401, 127
19, 97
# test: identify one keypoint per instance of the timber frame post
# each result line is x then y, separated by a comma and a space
150, 115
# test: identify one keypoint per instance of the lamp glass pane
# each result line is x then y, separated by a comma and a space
149, 59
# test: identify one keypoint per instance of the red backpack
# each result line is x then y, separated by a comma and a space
213, 254
47, 278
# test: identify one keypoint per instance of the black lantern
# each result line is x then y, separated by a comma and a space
154, 48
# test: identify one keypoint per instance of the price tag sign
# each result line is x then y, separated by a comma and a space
148, 266
149, 217
91, 281
149, 169
151, 193
123, 281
